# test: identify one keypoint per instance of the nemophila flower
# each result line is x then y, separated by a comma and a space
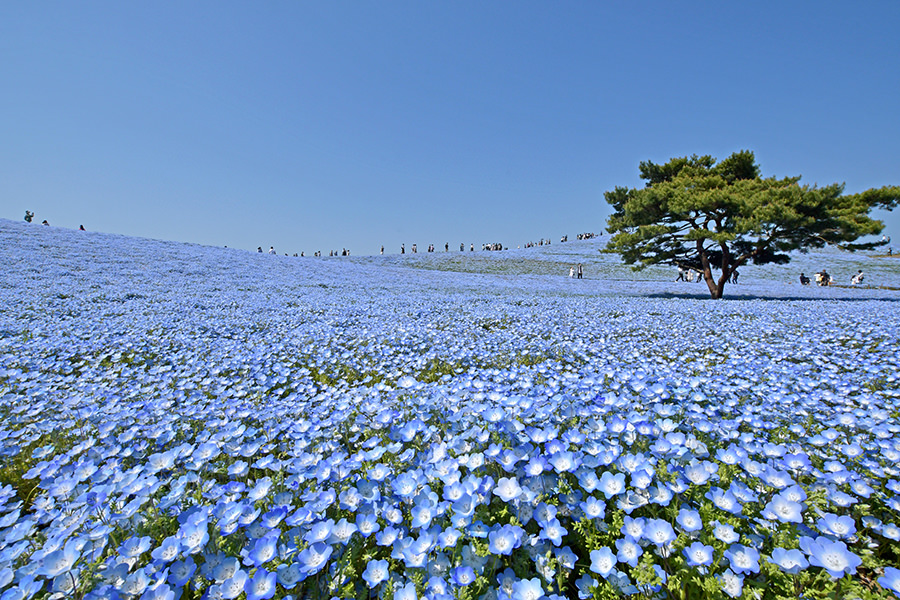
527, 589
724, 532
603, 561
422, 514
553, 531
264, 550
629, 551
134, 546
544, 513
60, 561
642, 478
392, 514
274, 517
367, 524
566, 557
783, 509
289, 575
386, 536
564, 461
168, 550
63, 584
193, 536
535, 466
743, 559
376, 572
634, 527
342, 531
841, 526
507, 489
698, 554
661, 495
462, 575
689, 520
698, 473
891, 531
313, 558
612, 484
584, 584
224, 569
159, 592
234, 585
261, 586
724, 500
448, 537
378, 472
404, 485
658, 532
833, 556
136, 583
593, 508
319, 532
891, 580
504, 540
406, 592
732, 583
789, 561
181, 571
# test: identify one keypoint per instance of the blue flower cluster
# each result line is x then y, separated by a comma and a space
188, 422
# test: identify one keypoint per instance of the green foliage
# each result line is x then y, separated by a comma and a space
702, 215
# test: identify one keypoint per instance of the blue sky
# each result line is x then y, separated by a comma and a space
319, 126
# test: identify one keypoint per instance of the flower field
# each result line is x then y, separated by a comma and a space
180, 421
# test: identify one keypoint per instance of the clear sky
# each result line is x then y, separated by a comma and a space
324, 125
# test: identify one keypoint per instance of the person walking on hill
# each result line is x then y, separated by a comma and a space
580, 271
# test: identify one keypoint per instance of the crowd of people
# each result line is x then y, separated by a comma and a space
687, 274
823, 278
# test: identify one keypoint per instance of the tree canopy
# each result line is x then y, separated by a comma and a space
698, 213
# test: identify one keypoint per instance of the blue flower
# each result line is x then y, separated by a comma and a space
376, 572
833, 556
689, 520
839, 526
629, 551
743, 559
341, 533
698, 554
60, 561
784, 509
462, 575
234, 585
168, 550
891, 580
181, 571
504, 540
263, 550
603, 561
261, 586
553, 531
732, 583
134, 547
527, 589
319, 532
612, 484
289, 575
593, 508
658, 532
507, 489
789, 561
313, 558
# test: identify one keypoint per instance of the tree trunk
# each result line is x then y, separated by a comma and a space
715, 288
